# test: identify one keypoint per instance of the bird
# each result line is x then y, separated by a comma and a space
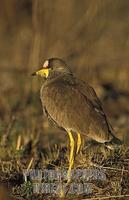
73, 105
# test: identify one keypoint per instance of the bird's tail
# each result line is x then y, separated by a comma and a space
114, 143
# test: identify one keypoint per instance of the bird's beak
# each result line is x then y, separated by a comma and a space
42, 72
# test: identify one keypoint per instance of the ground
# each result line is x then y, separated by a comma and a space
94, 41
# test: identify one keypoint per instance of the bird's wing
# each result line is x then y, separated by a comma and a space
85, 89
98, 126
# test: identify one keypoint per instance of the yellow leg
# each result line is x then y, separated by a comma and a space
71, 158
78, 142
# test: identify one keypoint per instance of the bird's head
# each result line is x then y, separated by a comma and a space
53, 66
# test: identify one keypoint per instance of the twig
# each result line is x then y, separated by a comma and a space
35, 50
111, 168
116, 169
103, 198
6, 135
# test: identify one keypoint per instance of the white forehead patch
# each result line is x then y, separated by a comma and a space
46, 64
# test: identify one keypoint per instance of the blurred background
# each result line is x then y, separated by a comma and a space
91, 36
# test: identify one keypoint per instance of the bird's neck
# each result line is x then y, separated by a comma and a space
56, 74
53, 75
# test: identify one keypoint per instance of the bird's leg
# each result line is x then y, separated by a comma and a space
71, 158
78, 142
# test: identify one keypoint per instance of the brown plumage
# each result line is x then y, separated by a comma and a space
73, 105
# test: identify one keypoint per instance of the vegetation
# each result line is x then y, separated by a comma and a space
93, 38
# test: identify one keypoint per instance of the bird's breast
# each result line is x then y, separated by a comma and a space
55, 98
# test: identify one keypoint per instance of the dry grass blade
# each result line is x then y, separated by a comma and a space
109, 197
30, 164
18, 143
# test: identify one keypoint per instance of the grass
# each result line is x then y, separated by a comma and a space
29, 141
114, 165
29, 33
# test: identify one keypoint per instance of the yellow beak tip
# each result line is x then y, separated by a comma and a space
42, 72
